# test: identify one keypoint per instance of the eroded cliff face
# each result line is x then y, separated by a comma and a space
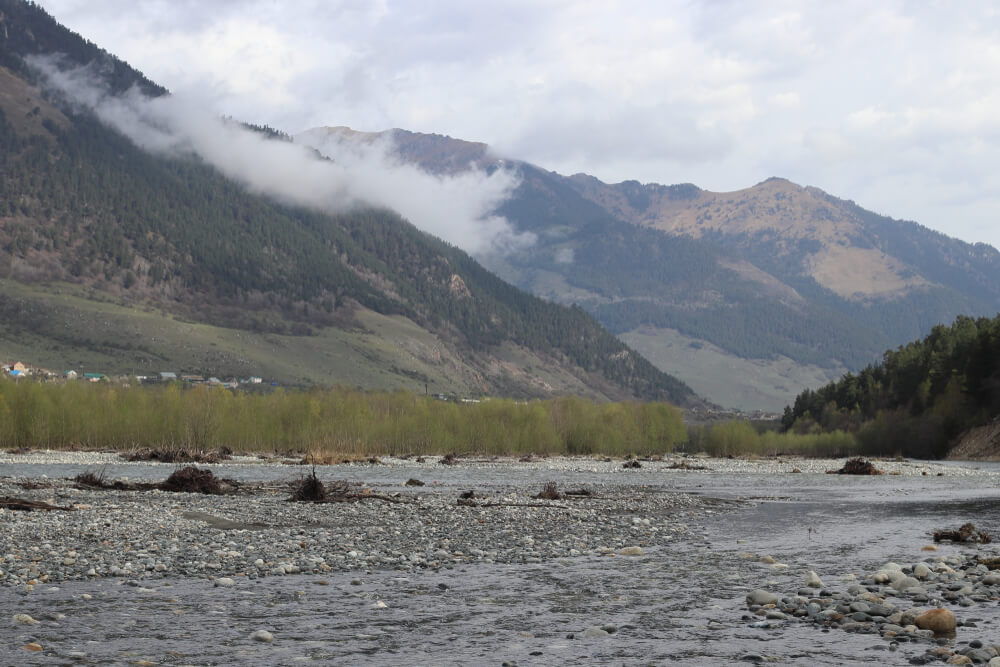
978, 444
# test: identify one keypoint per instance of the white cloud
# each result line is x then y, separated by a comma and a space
785, 100
565, 256
457, 208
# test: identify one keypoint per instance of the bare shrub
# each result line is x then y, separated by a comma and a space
549, 492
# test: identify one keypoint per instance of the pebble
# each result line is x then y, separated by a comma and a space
225, 582
761, 597
594, 631
878, 605
262, 636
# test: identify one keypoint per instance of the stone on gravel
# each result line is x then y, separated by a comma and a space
594, 631
938, 621
631, 551
225, 582
905, 583
979, 656
761, 597
262, 636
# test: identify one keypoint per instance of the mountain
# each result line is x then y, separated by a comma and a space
117, 259
749, 296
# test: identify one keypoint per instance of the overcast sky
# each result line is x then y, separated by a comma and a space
893, 104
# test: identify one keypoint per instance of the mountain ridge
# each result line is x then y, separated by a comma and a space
800, 283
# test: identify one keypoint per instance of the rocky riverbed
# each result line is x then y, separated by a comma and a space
902, 604
656, 564
257, 532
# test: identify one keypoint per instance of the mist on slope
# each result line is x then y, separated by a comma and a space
456, 208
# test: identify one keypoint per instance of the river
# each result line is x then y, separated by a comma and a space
682, 603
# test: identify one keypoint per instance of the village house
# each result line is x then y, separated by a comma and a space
17, 370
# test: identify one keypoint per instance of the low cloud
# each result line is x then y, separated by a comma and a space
457, 208
565, 256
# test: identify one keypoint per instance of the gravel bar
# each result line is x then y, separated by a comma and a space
257, 532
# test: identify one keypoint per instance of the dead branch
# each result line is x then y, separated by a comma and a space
29, 505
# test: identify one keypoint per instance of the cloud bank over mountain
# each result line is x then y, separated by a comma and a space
890, 104
456, 208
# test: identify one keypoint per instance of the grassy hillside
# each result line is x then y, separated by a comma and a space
63, 326
736, 382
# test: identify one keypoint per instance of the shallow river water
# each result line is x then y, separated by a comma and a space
679, 604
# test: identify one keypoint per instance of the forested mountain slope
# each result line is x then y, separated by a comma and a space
81, 205
921, 396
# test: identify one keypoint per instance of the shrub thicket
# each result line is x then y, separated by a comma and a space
342, 421
740, 438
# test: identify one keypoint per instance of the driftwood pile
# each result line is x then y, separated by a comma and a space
6, 502
857, 466
188, 479
966, 533
310, 489
179, 455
